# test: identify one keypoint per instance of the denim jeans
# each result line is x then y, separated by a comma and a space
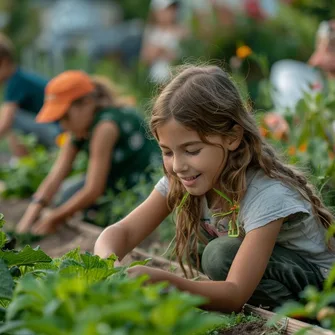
45, 133
286, 275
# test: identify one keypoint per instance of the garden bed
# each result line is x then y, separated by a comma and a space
83, 235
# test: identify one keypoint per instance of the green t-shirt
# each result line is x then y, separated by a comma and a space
133, 152
26, 89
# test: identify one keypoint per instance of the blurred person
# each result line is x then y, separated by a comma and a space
112, 135
162, 37
23, 98
324, 55
292, 78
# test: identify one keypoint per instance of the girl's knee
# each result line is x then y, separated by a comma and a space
218, 257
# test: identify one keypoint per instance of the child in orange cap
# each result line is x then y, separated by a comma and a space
113, 137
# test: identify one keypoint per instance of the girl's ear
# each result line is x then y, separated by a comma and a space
234, 140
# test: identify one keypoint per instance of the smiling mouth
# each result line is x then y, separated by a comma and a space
191, 178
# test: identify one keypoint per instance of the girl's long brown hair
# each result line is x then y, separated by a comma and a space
206, 100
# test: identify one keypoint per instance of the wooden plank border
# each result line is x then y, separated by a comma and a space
288, 325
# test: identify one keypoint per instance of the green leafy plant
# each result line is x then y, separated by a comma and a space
80, 293
23, 179
319, 305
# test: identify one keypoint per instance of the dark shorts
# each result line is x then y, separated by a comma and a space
285, 277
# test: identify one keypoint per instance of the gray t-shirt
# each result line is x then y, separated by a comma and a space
267, 200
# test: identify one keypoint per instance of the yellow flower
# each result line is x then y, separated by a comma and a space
61, 139
243, 52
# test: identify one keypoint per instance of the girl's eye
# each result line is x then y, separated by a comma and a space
169, 154
193, 153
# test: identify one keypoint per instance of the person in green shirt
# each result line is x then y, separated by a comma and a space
113, 137
23, 98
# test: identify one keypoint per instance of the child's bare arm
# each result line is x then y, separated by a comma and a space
245, 273
125, 235
7, 114
47, 189
61, 168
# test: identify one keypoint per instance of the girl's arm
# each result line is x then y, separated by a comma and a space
103, 140
49, 186
245, 273
60, 170
125, 235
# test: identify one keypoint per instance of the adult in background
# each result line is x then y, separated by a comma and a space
112, 135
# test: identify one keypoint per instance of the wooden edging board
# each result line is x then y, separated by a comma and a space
287, 325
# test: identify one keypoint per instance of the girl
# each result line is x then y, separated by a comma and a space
270, 240
113, 137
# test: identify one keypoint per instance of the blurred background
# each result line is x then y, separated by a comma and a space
135, 40
264, 44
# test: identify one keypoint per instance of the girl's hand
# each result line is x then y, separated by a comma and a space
155, 275
28, 219
47, 225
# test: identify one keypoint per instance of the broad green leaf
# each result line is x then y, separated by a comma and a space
144, 262
26, 256
45, 326
90, 275
166, 314
38, 267
4, 303
91, 262
72, 254
24, 303
6, 282
11, 326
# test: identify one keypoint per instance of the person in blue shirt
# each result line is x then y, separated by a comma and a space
23, 98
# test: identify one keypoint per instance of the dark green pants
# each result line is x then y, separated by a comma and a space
285, 277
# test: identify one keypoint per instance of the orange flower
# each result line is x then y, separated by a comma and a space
264, 132
243, 52
292, 150
303, 147
331, 155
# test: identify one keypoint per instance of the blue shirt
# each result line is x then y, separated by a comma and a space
26, 90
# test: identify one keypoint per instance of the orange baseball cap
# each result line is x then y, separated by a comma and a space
61, 91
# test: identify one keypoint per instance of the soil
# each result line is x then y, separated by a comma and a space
75, 234
250, 328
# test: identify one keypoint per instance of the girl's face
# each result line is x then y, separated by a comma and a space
79, 117
198, 165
